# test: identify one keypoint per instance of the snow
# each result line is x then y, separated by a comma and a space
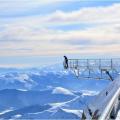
23, 77
76, 112
89, 93
22, 90
118, 116
17, 116
60, 90
5, 111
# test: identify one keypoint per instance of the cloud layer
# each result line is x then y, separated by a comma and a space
98, 32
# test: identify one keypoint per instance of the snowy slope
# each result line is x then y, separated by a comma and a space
38, 104
17, 99
58, 114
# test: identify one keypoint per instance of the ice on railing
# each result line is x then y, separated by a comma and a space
118, 116
104, 98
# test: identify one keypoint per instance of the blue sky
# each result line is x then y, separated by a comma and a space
50, 7
38, 33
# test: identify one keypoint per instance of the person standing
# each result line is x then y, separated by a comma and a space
66, 62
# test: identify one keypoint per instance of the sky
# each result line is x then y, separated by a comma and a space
36, 33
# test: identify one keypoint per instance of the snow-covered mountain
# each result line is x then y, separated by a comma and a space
55, 103
52, 76
47, 93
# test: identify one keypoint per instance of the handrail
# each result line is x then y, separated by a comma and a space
95, 62
95, 59
106, 112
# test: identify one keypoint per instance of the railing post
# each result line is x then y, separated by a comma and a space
111, 64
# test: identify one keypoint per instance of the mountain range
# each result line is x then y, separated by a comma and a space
47, 93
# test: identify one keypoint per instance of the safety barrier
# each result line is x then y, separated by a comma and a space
87, 68
112, 107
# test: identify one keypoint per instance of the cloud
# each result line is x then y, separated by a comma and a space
109, 14
29, 36
104, 15
50, 42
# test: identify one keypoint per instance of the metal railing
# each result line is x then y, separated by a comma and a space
87, 67
112, 106
106, 104
93, 63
